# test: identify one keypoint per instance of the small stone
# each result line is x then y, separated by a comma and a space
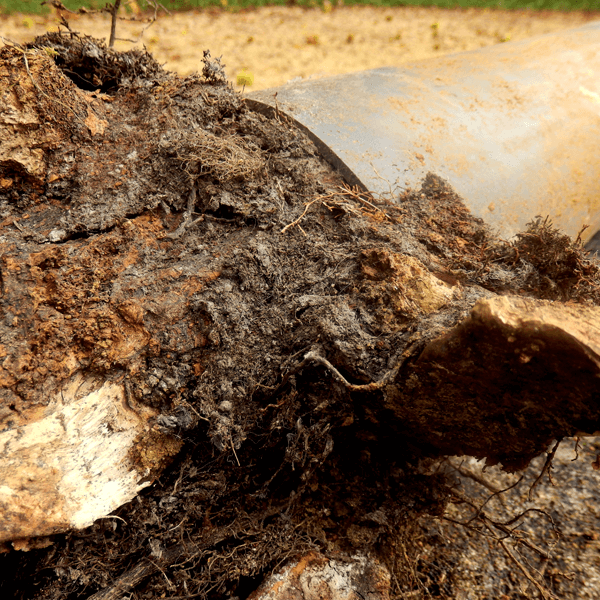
314, 577
57, 235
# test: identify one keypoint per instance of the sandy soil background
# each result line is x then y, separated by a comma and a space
269, 46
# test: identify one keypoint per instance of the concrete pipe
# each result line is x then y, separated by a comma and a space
514, 128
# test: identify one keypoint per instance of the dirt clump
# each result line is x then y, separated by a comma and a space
158, 232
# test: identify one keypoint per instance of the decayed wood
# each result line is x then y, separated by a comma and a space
314, 576
508, 380
170, 260
129, 580
71, 462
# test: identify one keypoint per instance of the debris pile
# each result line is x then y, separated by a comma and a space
272, 357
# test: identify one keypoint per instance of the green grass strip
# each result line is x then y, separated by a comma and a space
34, 6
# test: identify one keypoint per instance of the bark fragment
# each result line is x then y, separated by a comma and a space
515, 375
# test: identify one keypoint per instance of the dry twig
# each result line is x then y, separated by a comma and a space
341, 199
546, 469
111, 9
314, 356
320, 198
474, 476
544, 592
187, 222
131, 579
494, 494
493, 527
148, 566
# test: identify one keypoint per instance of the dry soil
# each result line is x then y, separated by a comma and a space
269, 46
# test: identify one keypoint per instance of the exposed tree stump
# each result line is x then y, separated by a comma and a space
185, 280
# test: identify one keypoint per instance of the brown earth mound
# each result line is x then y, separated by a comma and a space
285, 337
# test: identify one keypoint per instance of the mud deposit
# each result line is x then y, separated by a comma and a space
156, 232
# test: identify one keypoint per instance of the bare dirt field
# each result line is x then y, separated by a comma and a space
269, 46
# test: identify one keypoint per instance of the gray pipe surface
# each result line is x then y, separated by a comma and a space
514, 128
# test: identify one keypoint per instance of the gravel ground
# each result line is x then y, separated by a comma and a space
563, 521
